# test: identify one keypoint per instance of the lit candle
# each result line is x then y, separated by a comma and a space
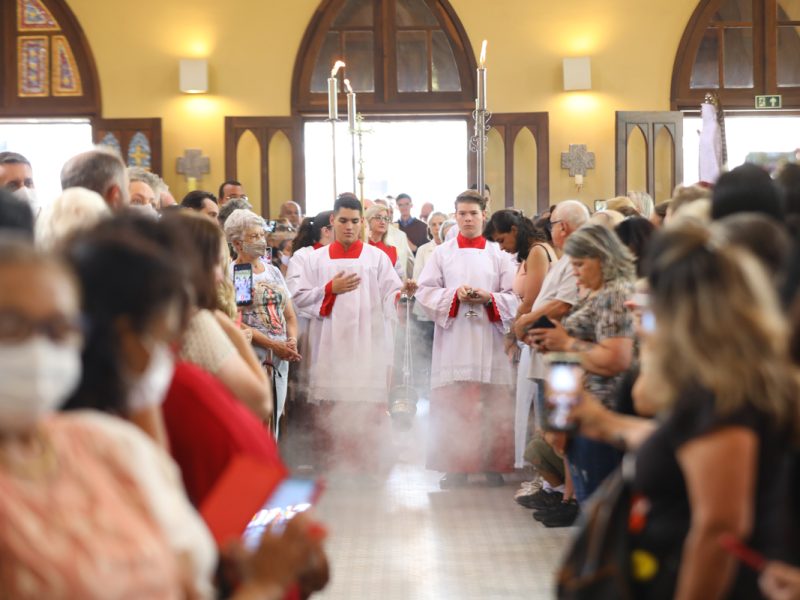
482, 79
333, 92
351, 106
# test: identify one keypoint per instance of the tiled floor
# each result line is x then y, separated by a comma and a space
406, 539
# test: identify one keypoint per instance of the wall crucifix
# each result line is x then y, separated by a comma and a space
193, 165
578, 160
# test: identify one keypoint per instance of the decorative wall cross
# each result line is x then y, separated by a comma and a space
578, 160
193, 165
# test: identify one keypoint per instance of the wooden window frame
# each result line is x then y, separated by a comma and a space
264, 129
386, 99
509, 126
125, 129
683, 96
11, 105
650, 124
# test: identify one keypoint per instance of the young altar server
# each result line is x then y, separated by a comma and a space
466, 289
351, 289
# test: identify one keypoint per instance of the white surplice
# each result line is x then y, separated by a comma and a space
352, 345
468, 348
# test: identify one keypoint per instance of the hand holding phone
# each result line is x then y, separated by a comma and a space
542, 322
243, 283
563, 389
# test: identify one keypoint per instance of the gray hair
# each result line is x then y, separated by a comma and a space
239, 221
13, 158
145, 176
232, 205
97, 170
643, 203
76, 209
573, 212
596, 241
445, 228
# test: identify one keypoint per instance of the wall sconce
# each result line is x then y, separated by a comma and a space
194, 76
577, 74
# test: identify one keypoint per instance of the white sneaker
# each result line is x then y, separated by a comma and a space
528, 488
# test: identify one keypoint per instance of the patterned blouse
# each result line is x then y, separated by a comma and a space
266, 313
599, 317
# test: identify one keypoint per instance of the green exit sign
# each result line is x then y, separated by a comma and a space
769, 101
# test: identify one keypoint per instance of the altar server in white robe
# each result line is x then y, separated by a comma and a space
466, 289
351, 289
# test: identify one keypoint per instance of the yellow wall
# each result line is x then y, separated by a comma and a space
251, 47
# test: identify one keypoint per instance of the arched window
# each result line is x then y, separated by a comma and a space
400, 55
739, 49
49, 69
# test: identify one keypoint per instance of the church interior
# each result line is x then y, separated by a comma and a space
496, 199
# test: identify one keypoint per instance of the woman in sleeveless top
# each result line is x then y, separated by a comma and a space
534, 253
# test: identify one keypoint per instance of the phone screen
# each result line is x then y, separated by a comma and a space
292, 496
564, 383
243, 284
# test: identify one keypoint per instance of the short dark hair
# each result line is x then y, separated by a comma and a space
635, 233
747, 188
194, 199
221, 193
15, 215
474, 186
349, 201
471, 197
402, 197
13, 158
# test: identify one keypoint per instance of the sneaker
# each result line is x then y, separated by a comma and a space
540, 500
494, 479
565, 516
453, 480
528, 488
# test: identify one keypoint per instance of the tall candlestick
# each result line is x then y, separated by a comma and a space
333, 116
351, 125
333, 92
482, 79
481, 118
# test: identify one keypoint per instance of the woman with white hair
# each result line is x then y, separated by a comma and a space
271, 316
76, 209
378, 221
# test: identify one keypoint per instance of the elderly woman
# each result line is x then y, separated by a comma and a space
600, 330
378, 221
76, 209
211, 339
727, 397
270, 316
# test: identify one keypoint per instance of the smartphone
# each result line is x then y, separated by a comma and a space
746, 555
648, 322
563, 388
293, 496
243, 284
542, 323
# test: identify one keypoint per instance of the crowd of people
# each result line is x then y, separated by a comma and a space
137, 366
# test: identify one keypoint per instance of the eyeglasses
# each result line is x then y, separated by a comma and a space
16, 327
284, 228
256, 236
384, 219
550, 224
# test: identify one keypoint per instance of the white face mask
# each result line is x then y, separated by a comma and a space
28, 195
150, 388
36, 377
146, 209
285, 259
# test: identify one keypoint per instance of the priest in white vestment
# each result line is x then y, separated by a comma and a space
350, 290
466, 289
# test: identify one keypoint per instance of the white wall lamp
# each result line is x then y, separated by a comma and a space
577, 74
194, 76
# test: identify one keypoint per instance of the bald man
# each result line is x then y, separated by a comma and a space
425, 212
292, 212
